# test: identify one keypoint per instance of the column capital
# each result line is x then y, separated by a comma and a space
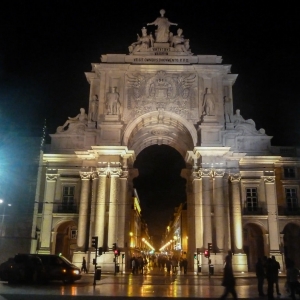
269, 179
111, 169
94, 175
52, 177
85, 175
195, 175
234, 178
205, 172
218, 173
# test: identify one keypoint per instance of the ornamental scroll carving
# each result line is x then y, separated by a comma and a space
269, 179
205, 172
171, 92
85, 175
235, 177
218, 172
52, 177
112, 169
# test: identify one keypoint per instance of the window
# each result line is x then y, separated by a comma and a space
251, 199
291, 199
289, 172
68, 200
68, 195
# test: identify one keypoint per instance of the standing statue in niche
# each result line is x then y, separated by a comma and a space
113, 105
208, 106
228, 109
162, 33
94, 108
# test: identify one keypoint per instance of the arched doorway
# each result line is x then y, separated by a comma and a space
253, 244
291, 241
160, 186
66, 239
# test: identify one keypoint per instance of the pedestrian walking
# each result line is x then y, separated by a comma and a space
83, 266
228, 278
276, 272
260, 275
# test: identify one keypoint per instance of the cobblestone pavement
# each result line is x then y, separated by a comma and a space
153, 284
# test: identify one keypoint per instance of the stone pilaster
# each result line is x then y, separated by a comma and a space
83, 211
219, 209
206, 206
47, 214
236, 214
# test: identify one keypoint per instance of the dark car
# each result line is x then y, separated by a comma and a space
58, 267
23, 268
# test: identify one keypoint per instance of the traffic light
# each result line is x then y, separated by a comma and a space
95, 242
118, 252
114, 247
123, 255
206, 253
210, 247
100, 250
195, 255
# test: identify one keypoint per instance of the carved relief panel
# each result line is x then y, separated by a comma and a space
176, 93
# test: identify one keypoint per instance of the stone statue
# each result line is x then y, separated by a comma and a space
94, 108
208, 106
163, 24
179, 43
113, 105
80, 119
247, 126
143, 43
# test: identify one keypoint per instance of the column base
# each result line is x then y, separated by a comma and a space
239, 262
44, 251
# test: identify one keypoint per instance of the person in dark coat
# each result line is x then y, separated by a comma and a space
276, 271
292, 279
271, 270
260, 275
83, 267
228, 278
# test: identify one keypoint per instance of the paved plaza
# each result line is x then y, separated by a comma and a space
154, 284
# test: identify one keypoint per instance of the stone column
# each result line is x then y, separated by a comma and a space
274, 236
93, 207
83, 211
123, 194
100, 207
113, 202
239, 259
47, 214
198, 226
236, 214
219, 209
206, 206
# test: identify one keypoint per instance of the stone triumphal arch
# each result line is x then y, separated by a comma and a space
159, 93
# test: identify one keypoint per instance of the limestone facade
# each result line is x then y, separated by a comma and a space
161, 93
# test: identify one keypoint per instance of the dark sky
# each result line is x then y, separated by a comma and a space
46, 46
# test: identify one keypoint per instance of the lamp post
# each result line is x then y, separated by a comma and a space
2, 202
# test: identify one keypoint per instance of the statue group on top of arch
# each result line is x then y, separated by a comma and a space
162, 34
172, 92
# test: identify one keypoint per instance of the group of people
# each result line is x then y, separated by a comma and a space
269, 268
138, 264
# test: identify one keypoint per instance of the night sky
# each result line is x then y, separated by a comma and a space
46, 46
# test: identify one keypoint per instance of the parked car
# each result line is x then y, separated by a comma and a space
23, 268
58, 267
